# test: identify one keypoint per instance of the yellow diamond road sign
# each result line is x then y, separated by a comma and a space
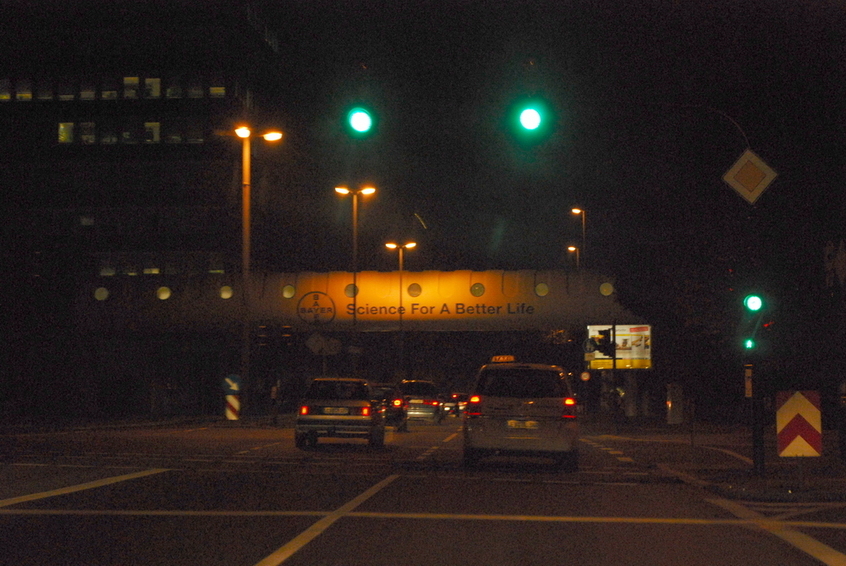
749, 176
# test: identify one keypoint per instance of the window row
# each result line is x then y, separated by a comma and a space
111, 88
131, 131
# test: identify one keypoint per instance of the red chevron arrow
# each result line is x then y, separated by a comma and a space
799, 438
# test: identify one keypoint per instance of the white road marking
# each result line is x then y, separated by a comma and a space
286, 551
80, 487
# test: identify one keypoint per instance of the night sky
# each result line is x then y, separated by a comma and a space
651, 103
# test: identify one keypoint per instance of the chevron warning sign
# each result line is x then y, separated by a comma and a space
799, 423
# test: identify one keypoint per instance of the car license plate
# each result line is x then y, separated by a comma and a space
416, 401
522, 424
336, 411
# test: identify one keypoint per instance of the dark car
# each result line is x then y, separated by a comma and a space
393, 405
339, 408
424, 400
455, 403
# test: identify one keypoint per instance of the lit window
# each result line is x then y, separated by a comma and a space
87, 91
109, 89
152, 132
174, 88
108, 133
152, 88
23, 90
194, 133
217, 91
152, 271
130, 133
195, 89
87, 134
173, 131
44, 89
108, 272
65, 132
130, 87
66, 90
5, 89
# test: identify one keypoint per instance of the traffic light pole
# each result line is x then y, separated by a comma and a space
758, 466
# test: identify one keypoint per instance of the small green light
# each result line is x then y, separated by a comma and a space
749, 344
753, 303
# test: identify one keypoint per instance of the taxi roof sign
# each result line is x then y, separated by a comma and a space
502, 359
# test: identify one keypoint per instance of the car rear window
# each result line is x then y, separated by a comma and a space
521, 383
419, 388
338, 390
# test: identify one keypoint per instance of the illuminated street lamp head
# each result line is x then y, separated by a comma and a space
273, 136
572, 249
407, 245
366, 190
576, 211
245, 132
242, 132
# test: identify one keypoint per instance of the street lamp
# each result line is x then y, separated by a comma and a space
581, 212
365, 190
400, 249
245, 133
572, 249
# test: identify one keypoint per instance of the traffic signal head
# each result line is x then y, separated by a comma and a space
753, 303
360, 122
606, 344
531, 121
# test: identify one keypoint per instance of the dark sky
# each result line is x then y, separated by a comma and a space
650, 103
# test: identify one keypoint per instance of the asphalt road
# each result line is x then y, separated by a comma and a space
211, 494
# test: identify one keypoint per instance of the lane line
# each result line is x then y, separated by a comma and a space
80, 487
750, 522
782, 530
298, 542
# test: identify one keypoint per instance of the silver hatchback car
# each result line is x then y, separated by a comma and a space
339, 408
521, 409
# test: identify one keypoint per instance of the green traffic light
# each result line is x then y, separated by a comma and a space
360, 120
530, 119
753, 303
749, 344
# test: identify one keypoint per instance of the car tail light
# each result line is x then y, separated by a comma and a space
433, 402
569, 408
474, 406
365, 411
304, 410
397, 403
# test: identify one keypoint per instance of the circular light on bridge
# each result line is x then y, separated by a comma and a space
350, 290
163, 293
226, 292
477, 290
288, 291
101, 293
414, 290
541, 289
606, 289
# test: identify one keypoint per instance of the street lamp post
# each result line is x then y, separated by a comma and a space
581, 212
365, 190
572, 249
245, 133
400, 249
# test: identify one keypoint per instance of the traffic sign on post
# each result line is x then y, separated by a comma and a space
749, 176
799, 423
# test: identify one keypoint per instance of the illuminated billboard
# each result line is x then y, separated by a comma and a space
634, 347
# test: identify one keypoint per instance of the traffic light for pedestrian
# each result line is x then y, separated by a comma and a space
360, 122
605, 343
753, 310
